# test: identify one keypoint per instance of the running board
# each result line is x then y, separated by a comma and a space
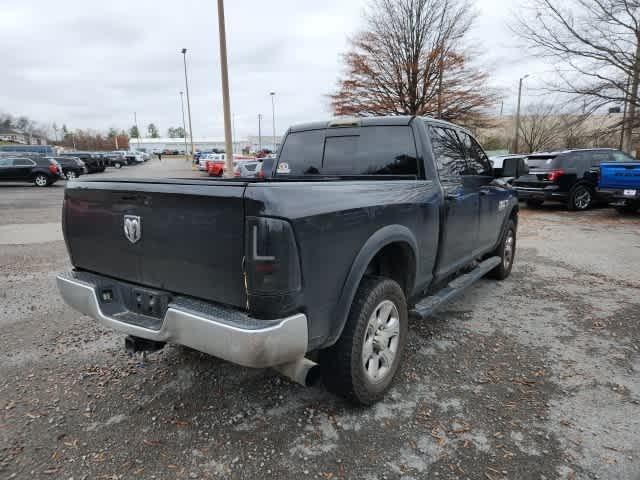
430, 304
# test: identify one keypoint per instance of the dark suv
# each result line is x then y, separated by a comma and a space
93, 162
570, 177
39, 170
72, 167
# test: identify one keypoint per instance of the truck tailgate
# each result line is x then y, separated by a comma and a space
190, 234
620, 175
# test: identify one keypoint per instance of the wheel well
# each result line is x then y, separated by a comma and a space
397, 262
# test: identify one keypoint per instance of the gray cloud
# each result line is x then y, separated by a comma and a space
92, 64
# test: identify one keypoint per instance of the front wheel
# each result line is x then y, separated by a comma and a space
507, 252
117, 165
71, 175
580, 198
363, 363
41, 180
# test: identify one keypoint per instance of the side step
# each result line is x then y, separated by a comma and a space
456, 287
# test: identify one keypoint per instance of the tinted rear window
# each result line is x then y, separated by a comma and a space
380, 150
541, 162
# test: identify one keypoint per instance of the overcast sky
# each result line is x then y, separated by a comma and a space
91, 64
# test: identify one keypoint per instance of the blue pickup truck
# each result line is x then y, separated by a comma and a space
620, 183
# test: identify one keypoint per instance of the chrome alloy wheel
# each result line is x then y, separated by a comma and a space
509, 244
582, 198
381, 341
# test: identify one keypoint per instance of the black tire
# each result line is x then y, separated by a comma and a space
581, 198
503, 270
343, 365
41, 180
534, 203
117, 165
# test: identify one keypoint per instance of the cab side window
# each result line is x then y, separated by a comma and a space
618, 156
477, 161
448, 151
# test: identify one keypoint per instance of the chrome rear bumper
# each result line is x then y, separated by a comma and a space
256, 344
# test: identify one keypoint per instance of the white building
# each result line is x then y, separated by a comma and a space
202, 144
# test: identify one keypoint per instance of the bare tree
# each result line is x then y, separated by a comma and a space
596, 45
410, 60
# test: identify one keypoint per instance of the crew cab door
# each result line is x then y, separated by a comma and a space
493, 198
461, 201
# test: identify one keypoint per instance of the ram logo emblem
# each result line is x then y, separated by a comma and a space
133, 228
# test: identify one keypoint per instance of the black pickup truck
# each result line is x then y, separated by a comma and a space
357, 225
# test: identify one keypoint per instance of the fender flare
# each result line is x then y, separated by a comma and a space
376, 242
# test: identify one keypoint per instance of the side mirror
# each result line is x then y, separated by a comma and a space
514, 167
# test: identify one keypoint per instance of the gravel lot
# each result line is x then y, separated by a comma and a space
532, 378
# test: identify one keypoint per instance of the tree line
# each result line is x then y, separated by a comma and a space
413, 57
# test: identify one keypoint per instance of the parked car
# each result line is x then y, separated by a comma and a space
93, 162
569, 177
247, 169
115, 159
72, 167
40, 170
362, 223
620, 182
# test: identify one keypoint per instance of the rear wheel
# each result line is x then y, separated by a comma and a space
41, 180
363, 363
534, 202
580, 198
507, 252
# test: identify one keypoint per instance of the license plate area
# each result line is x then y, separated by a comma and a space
629, 193
145, 302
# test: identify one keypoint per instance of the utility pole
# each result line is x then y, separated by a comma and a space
632, 101
135, 122
184, 127
516, 142
273, 115
186, 83
259, 132
624, 113
226, 101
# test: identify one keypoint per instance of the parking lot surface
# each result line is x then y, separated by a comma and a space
534, 377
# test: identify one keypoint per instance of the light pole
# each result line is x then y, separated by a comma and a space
516, 142
184, 127
186, 83
259, 132
135, 122
273, 115
226, 102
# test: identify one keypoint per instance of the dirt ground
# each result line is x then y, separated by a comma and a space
535, 377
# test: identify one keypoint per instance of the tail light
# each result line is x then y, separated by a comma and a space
236, 172
553, 175
260, 174
272, 266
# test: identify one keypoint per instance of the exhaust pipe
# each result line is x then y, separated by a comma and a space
302, 371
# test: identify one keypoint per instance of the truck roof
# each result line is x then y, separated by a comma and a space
396, 120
